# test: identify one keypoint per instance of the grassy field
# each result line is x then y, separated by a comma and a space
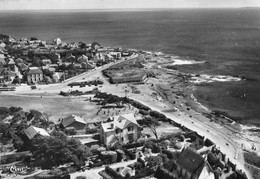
55, 107
59, 107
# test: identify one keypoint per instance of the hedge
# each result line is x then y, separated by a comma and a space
140, 160
140, 106
169, 154
143, 112
157, 114
113, 173
98, 164
109, 156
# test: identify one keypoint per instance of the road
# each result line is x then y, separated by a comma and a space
222, 140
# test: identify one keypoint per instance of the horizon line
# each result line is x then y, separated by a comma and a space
129, 9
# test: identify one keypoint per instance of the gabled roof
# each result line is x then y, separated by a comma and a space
191, 161
70, 56
120, 122
83, 58
11, 61
109, 56
34, 70
32, 131
71, 119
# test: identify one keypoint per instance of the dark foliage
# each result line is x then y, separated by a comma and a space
163, 173
113, 173
130, 154
157, 114
170, 154
133, 145
57, 150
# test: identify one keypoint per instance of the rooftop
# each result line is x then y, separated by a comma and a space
71, 119
32, 131
191, 161
34, 70
119, 122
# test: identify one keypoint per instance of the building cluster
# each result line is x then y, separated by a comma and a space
192, 156
35, 61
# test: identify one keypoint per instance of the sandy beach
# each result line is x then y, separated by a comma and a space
168, 93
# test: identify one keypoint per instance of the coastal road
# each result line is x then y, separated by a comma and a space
210, 130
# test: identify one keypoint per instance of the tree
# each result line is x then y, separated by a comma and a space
33, 38
154, 161
82, 45
36, 61
17, 80
57, 150
4, 112
39, 119
152, 123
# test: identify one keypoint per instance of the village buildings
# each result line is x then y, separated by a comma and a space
34, 75
123, 128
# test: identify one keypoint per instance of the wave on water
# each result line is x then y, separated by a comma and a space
196, 101
184, 62
213, 78
250, 128
202, 78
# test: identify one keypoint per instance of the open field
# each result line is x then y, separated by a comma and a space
56, 107
59, 107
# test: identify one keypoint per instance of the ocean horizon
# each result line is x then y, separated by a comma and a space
228, 40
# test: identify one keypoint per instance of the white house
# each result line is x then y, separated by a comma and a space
123, 128
32, 131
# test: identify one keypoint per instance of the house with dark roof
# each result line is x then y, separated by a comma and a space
82, 58
12, 66
191, 165
34, 75
74, 121
89, 65
69, 58
123, 128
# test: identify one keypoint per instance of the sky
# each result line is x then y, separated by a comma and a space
123, 4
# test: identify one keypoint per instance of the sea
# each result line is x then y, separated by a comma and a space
227, 40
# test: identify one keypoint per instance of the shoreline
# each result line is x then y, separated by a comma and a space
206, 79
173, 100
